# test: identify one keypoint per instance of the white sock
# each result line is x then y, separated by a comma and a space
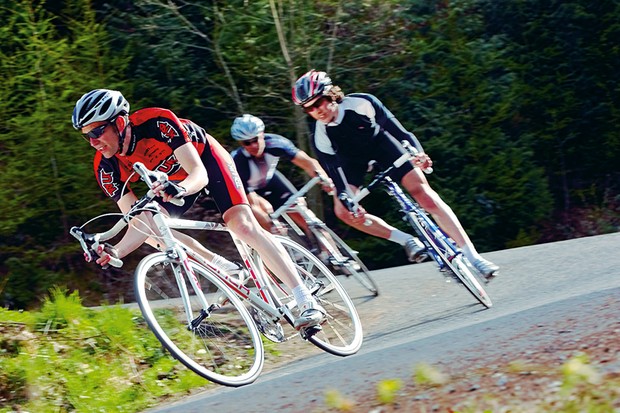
302, 295
223, 263
399, 237
469, 251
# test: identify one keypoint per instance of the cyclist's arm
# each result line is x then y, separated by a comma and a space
388, 122
190, 161
310, 165
137, 229
328, 159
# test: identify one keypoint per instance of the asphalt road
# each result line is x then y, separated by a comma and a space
418, 317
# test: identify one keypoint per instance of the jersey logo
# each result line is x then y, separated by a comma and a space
167, 130
169, 166
107, 183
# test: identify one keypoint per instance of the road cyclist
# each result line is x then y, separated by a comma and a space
257, 159
192, 160
350, 130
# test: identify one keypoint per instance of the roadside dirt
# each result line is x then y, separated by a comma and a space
515, 378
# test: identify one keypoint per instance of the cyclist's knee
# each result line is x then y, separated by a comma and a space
242, 222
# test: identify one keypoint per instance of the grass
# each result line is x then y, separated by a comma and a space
66, 357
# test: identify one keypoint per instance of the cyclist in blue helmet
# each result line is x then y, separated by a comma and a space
257, 160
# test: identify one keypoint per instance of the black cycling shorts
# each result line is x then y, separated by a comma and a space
385, 152
277, 190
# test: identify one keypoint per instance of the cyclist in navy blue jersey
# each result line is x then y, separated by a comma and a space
351, 130
257, 161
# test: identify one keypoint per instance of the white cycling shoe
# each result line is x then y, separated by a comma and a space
311, 315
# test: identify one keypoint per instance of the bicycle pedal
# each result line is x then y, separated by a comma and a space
306, 333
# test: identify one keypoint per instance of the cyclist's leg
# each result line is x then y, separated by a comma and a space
373, 225
261, 208
228, 193
417, 185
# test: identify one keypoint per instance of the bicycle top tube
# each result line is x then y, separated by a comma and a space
293, 198
410, 153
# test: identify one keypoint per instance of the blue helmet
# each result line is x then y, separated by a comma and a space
246, 127
98, 105
311, 85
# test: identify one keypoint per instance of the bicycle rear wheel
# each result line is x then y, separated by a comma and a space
341, 334
454, 261
220, 342
352, 265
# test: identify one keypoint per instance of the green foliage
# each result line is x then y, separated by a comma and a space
70, 358
426, 374
46, 179
387, 390
516, 102
335, 400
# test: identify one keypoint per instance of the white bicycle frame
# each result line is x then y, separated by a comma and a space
264, 298
293, 204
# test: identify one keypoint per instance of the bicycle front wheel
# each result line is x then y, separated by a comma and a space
454, 261
210, 331
469, 279
341, 334
351, 266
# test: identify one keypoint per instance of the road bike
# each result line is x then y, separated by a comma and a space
442, 249
341, 258
212, 321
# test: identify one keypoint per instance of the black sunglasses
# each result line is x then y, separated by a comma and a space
96, 133
249, 141
315, 105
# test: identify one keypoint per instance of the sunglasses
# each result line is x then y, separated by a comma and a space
315, 105
249, 141
96, 132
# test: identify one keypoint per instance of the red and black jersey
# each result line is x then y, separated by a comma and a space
156, 134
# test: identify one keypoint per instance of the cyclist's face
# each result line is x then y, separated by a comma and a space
256, 146
107, 142
322, 109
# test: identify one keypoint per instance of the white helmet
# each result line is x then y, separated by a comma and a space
246, 127
98, 105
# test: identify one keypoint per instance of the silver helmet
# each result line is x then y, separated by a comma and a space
98, 105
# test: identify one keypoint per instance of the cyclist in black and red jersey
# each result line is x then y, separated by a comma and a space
351, 130
193, 160
257, 161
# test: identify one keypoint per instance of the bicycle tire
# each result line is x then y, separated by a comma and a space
225, 347
470, 280
457, 264
356, 269
341, 334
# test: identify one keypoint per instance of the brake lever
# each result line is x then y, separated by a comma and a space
90, 251
414, 152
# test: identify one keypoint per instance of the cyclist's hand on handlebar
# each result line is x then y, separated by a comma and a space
168, 190
106, 254
356, 210
423, 161
328, 186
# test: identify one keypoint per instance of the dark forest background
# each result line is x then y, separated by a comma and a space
516, 102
